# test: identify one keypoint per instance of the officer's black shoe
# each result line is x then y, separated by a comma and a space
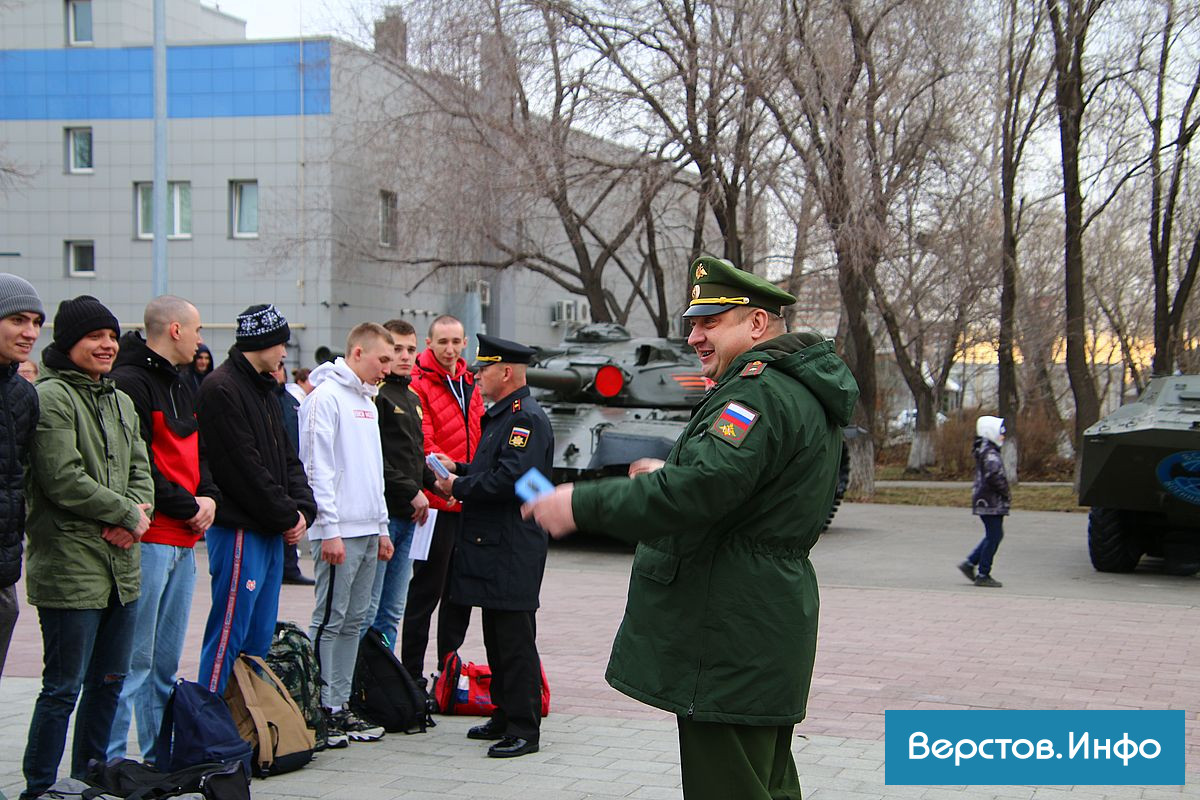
488, 731
299, 579
511, 747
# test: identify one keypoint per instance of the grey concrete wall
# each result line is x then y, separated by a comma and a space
41, 24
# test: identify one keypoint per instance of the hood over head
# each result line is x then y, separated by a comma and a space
990, 428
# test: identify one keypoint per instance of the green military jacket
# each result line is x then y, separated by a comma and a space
88, 470
721, 619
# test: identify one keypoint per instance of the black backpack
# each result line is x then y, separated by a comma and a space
384, 692
122, 777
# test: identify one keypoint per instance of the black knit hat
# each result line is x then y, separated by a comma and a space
79, 317
260, 327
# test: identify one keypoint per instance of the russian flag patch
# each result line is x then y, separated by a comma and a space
734, 422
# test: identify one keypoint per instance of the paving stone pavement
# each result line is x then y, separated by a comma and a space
923, 641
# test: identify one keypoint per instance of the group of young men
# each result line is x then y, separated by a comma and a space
125, 467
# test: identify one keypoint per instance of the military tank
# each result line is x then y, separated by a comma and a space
613, 398
1140, 473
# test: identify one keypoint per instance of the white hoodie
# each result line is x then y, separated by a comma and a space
339, 445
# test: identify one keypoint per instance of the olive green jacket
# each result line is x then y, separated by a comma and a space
721, 619
88, 470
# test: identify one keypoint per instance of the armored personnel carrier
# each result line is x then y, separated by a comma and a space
1140, 473
613, 398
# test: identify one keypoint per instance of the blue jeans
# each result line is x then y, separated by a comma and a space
168, 577
390, 592
81, 648
985, 551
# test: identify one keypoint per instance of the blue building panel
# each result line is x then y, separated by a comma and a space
244, 80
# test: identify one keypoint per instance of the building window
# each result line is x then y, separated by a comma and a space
79, 21
81, 259
79, 150
243, 209
179, 210
387, 219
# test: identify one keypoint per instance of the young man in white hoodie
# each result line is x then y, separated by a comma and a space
340, 448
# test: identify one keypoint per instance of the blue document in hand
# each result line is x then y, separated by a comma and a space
532, 485
435, 465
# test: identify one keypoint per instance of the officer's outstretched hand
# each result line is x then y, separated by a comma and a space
553, 511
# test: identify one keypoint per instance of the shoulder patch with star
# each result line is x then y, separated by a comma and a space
516, 405
519, 436
752, 369
734, 422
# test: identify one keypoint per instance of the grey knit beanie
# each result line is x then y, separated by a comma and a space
17, 295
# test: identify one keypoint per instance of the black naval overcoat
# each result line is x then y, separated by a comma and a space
499, 558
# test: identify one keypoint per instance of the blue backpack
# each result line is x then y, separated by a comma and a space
197, 728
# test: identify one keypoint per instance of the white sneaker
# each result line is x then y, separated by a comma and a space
356, 728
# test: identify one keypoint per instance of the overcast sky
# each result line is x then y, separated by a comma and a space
276, 19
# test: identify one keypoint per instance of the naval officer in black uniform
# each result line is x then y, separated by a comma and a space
499, 558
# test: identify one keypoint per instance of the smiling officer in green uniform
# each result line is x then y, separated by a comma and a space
720, 627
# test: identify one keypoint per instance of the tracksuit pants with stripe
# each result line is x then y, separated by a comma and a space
343, 597
247, 572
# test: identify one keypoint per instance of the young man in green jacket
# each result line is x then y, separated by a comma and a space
720, 627
90, 492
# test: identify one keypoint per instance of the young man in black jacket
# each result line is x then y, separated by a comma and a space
21, 318
265, 497
404, 473
185, 500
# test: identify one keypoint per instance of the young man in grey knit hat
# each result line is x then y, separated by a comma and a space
21, 318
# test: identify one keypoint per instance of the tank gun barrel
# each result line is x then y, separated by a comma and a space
564, 381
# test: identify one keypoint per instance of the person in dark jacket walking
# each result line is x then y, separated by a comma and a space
404, 474
990, 500
90, 497
21, 318
720, 626
289, 407
265, 498
500, 558
185, 499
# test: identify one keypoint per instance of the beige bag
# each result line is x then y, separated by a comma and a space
268, 718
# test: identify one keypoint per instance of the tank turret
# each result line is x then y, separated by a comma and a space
1140, 473
613, 398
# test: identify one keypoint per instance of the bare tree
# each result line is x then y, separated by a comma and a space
1023, 82
859, 104
1170, 111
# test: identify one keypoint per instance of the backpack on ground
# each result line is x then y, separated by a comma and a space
466, 689
293, 660
132, 780
197, 728
383, 691
268, 718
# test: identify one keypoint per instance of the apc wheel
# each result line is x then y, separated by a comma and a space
840, 491
1111, 546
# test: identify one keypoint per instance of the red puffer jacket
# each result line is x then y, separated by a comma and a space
447, 429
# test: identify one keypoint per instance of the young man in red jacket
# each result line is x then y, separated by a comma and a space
451, 411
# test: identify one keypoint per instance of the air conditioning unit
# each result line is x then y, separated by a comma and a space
484, 289
565, 311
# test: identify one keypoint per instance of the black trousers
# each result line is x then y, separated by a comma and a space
510, 640
428, 591
720, 761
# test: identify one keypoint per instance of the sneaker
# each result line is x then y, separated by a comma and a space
968, 569
988, 581
335, 736
357, 728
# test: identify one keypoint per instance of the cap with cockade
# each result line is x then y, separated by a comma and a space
493, 350
718, 286
260, 327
